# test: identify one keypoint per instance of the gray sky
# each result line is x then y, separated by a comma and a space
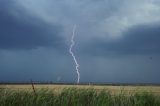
116, 40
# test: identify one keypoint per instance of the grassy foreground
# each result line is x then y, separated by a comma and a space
75, 97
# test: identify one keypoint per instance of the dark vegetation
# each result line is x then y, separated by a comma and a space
75, 97
82, 83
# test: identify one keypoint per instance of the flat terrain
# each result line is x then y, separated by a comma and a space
113, 89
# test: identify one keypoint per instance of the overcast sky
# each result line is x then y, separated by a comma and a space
115, 40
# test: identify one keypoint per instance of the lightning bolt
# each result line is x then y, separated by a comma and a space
72, 54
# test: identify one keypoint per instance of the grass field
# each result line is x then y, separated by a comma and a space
79, 95
113, 89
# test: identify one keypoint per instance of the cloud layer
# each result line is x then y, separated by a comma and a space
138, 40
116, 40
26, 32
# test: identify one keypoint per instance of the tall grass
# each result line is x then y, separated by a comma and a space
75, 97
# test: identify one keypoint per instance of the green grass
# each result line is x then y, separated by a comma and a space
75, 97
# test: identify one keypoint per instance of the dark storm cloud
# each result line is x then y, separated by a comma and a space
113, 40
143, 39
26, 32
